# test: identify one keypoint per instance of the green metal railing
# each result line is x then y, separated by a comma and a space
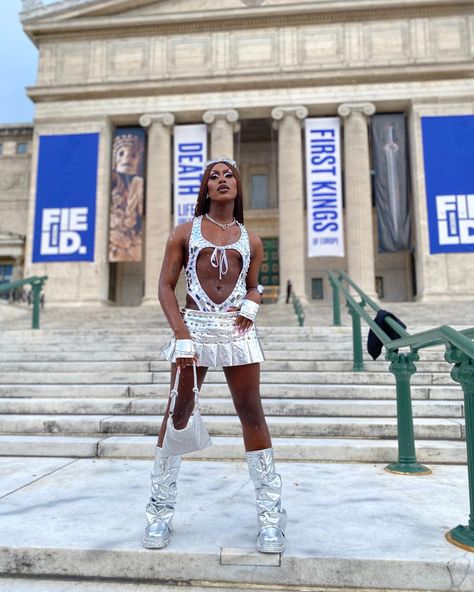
36, 283
459, 352
298, 308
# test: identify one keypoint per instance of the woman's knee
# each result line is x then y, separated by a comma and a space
250, 413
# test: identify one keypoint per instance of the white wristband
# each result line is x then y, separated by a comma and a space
249, 309
184, 348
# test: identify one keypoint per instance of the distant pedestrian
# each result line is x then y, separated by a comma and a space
289, 289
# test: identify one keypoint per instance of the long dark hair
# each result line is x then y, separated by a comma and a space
203, 202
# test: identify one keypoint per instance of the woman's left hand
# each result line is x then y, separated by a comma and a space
243, 324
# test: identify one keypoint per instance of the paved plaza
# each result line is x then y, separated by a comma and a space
350, 525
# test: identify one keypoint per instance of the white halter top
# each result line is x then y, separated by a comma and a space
219, 260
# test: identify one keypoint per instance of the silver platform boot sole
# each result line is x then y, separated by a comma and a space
271, 517
160, 509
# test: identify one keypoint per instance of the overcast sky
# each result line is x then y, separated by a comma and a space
18, 60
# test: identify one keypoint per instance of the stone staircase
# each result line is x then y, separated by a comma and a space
80, 405
101, 392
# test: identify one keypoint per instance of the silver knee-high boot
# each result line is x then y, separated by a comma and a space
160, 509
271, 518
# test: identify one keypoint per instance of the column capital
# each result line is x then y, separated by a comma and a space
298, 111
347, 109
165, 119
229, 115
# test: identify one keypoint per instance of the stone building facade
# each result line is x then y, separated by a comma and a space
252, 71
15, 167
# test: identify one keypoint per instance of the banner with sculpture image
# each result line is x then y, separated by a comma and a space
127, 195
390, 162
323, 186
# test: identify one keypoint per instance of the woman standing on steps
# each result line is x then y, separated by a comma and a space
216, 328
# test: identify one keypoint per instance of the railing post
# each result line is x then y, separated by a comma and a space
298, 308
402, 367
36, 289
356, 341
336, 305
463, 372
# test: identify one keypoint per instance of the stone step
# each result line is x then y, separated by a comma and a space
107, 355
22, 584
215, 406
290, 427
162, 366
231, 448
132, 378
141, 336
102, 346
288, 391
213, 540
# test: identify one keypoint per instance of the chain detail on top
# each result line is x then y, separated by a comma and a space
196, 243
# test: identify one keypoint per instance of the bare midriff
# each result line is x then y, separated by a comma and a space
217, 289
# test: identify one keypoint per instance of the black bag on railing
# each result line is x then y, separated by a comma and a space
374, 345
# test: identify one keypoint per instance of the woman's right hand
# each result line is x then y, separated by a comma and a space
188, 359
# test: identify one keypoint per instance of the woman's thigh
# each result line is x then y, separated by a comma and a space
244, 386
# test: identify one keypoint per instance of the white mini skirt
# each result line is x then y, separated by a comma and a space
217, 340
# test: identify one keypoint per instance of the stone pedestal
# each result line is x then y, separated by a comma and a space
158, 198
223, 125
291, 200
358, 200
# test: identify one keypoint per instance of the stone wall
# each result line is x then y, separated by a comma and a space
14, 178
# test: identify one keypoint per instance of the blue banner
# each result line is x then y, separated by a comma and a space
448, 147
66, 198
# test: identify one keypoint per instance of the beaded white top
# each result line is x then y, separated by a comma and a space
218, 260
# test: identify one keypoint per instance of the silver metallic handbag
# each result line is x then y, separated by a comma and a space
194, 435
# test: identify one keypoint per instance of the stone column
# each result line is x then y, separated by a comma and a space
158, 198
358, 200
223, 125
291, 199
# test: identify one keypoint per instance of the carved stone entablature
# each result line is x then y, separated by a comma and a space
268, 12
437, 47
16, 131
